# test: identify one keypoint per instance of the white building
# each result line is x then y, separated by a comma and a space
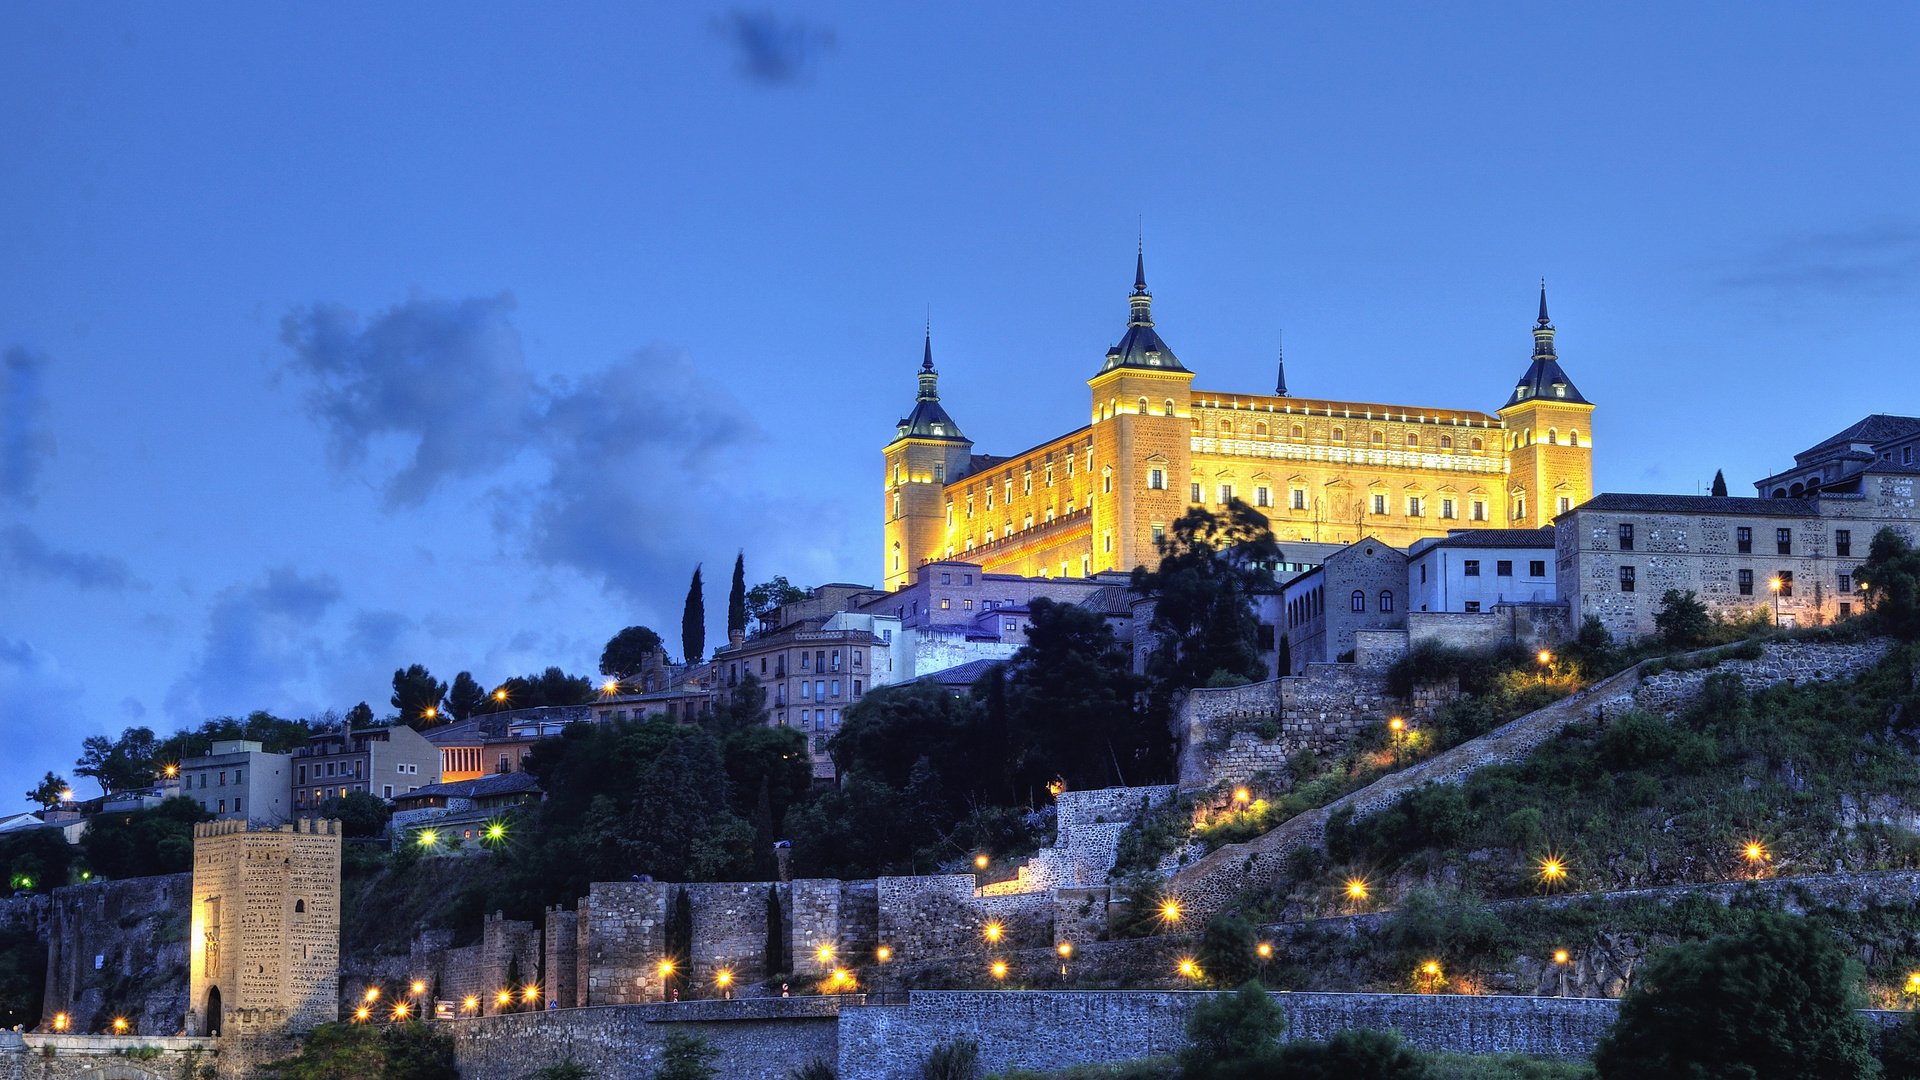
1471, 571
238, 780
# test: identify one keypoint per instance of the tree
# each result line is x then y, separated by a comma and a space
1682, 619
1719, 484
679, 940
765, 599
1227, 954
50, 791
142, 843
360, 716
1776, 999
1891, 578
1070, 700
1232, 1031
1900, 1050
1354, 1054
566, 1070
360, 813
737, 597
687, 1057
770, 761
418, 697
1210, 565
35, 860
409, 1051
23, 966
548, 688
693, 622
627, 652
467, 696
120, 764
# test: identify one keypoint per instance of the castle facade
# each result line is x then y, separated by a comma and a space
1100, 496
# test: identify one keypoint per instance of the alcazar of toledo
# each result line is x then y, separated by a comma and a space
1155, 445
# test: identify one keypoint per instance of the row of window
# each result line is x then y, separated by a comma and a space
1743, 581
404, 768
238, 778
1536, 568
826, 718
1743, 540
1225, 429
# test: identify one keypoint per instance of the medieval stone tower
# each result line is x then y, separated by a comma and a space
928, 452
1549, 437
264, 954
1141, 445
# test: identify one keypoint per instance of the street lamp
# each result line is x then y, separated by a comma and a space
1065, 949
1775, 585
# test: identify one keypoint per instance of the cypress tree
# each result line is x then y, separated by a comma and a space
737, 598
1719, 484
776, 933
693, 621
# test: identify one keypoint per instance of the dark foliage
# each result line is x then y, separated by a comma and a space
1891, 577
466, 697
1230, 1034
1210, 565
693, 622
361, 813
419, 699
627, 652
410, 1051
1682, 620
35, 860
737, 597
140, 843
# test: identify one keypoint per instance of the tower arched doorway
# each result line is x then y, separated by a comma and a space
213, 1010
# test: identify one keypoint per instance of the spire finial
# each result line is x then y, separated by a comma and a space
1280, 386
1140, 266
926, 360
1543, 301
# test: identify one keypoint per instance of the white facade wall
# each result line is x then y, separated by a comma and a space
1438, 577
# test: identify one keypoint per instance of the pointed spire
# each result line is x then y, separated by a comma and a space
926, 361
1543, 302
1140, 268
1280, 386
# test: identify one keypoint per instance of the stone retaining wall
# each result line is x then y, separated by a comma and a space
757, 1040
101, 1057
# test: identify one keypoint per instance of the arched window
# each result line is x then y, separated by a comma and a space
1299, 432
1386, 599
1379, 438
1446, 442
1412, 439
1143, 406
1553, 437
896, 554
1573, 437
1226, 427
1359, 600
1167, 409
1339, 435
1527, 438
299, 907
1260, 429
1106, 478
1476, 444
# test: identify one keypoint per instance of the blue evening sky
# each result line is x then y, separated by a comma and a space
342, 336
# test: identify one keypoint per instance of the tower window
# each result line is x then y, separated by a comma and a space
1142, 410
1156, 479
1553, 437
1566, 503
1626, 579
1167, 409
1106, 478
1573, 437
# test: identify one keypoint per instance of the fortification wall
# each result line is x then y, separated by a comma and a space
758, 1040
1792, 662
101, 1057
1532, 625
560, 960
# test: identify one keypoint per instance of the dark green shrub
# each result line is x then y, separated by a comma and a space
957, 1060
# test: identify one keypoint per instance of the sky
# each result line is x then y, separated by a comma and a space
336, 338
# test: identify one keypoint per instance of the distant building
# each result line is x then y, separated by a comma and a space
478, 746
955, 613
1836, 464
464, 809
811, 675
1473, 571
1363, 586
239, 780
382, 761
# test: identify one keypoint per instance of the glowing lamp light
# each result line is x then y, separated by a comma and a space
362, 1014
429, 837
472, 1004
666, 968
980, 861
496, 831
723, 978
883, 954
1431, 969
66, 794
999, 969
842, 977
993, 931
1397, 724
1357, 888
824, 953
60, 1021
504, 997
611, 686
1560, 956
1189, 969
1065, 950
1545, 657
399, 1010
172, 770
418, 987
1913, 983
373, 993
1170, 911
1553, 871
1242, 795
119, 1025
1775, 584
1264, 950
531, 993
500, 694
1754, 852
430, 712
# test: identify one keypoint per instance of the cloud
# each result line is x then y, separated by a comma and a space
26, 554
263, 644
772, 49
447, 379
25, 444
38, 704
1878, 259
635, 464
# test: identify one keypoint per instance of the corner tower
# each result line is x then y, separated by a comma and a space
927, 451
1142, 438
1549, 436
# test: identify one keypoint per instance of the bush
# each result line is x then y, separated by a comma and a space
1226, 951
687, 1057
1226, 1033
566, 1070
1636, 739
1355, 1054
409, 1051
957, 1060
817, 1069
1682, 619
1776, 999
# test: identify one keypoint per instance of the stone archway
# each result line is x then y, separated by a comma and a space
214, 1017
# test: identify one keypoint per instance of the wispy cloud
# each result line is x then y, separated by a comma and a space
37, 701
262, 641
26, 555
771, 48
25, 444
1876, 259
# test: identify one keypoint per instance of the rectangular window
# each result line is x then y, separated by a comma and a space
1471, 568
1843, 542
1846, 609
856, 688
386, 790
1626, 538
1566, 504
1537, 568
1626, 579
806, 690
946, 604
1413, 506
1846, 584
223, 779
1262, 497
223, 806
1423, 573
1473, 606
1159, 534
1380, 504
1503, 568
1746, 582
303, 774
836, 687
1743, 539
1786, 582
1446, 508
1195, 495
1299, 498
1157, 479
1106, 540
1226, 493
1783, 540
1479, 510
946, 577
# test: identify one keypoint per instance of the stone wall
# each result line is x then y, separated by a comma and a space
758, 1040
1087, 828
1045, 1030
1792, 662
119, 948
102, 1057
1533, 625
942, 915
560, 961
1232, 735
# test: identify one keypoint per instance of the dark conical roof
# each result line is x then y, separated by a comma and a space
1140, 346
1545, 378
929, 420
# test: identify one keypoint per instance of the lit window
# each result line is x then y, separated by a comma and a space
1299, 498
